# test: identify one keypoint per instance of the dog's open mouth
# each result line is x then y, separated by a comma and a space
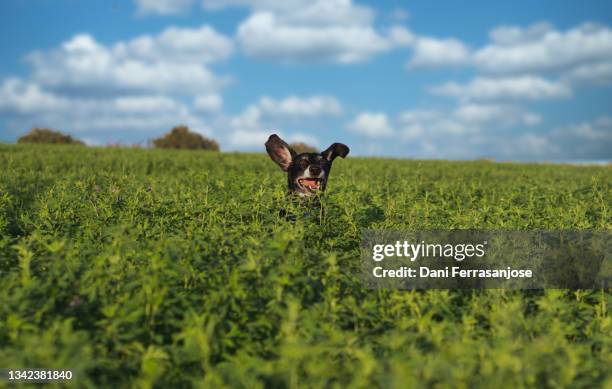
310, 183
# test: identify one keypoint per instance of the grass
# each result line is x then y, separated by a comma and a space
142, 268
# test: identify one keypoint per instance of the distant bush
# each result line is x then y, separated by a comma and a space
45, 135
181, 138
301, 147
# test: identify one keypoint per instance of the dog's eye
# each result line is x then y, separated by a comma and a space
303, 164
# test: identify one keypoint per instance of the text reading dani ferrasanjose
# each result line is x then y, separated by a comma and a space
414, 252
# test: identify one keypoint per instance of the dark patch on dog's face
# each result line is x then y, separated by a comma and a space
307, 173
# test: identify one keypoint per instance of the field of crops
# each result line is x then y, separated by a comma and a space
141, 268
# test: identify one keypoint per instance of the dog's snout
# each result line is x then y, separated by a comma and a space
315, 170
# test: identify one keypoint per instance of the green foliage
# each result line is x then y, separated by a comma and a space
141, 268
44, 135
181, 138
301, 147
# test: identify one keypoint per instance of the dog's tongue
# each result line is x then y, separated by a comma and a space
311, 183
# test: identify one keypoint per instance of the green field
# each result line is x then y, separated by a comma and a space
141, 268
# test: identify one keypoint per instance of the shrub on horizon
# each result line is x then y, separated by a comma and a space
45, 135
301, 147
181, 138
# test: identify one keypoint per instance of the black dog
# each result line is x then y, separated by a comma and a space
307, 172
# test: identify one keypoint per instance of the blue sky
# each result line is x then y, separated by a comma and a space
513, 80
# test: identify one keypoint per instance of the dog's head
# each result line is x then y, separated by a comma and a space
307, 172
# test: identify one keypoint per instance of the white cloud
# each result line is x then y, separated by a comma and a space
504, 131
19, 97
305, 12
519, 87
269, 112
590, 140
247, 139
256, 139
264, 117
401, 37
299, 107
173, 61
264, 36
298, 31
86, 87
432, 52
371, 124
531, 144
163, 7
418, 115
500, 115
513, 35
146, 104
599, 129
208, 103
531, 119
595, 73
541, 48
248, 120
467, 131
470, 114
25, 104
193, 45
537, 62
423, 124
513, 64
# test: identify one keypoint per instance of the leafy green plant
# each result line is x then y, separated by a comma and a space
151, 268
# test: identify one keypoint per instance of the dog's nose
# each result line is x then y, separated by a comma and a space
315, 170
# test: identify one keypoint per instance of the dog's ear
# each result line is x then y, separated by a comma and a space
280, 152
335, 150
